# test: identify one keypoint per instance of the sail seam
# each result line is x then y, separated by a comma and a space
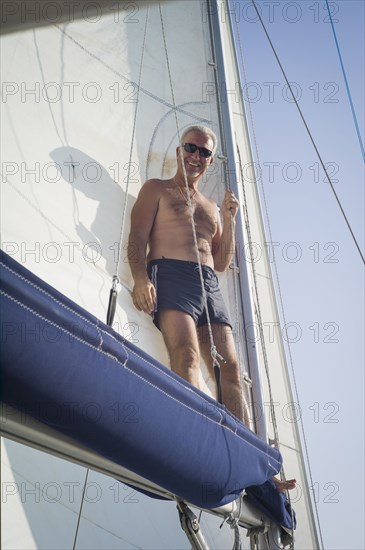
127, 80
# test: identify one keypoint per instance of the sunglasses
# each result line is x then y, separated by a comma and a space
191, 148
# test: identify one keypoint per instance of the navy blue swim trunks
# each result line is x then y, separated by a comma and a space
178, 286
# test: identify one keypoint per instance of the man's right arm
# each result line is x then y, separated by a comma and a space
142, 219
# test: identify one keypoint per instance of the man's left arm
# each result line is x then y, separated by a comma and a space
224, 240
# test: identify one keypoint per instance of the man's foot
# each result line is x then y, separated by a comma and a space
286, 485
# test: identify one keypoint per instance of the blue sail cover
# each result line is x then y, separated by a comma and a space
72, 372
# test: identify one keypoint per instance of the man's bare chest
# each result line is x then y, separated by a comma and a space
175, 206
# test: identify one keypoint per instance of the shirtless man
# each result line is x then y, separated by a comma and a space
167, 280
161, 219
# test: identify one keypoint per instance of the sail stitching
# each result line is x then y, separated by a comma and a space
71, 334
67, 308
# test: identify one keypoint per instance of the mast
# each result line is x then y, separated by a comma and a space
231, 163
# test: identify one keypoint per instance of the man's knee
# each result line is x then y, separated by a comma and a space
231, 372
186, 355
185, 362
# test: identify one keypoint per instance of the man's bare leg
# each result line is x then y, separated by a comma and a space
181, 340
232, 393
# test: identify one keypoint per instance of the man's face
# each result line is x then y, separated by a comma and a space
196, 163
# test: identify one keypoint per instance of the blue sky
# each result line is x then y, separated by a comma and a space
320, 270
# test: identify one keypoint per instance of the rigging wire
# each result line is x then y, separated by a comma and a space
309, 134
347, 84
278, 283
113, 294
80, 510
213, 350
132, 142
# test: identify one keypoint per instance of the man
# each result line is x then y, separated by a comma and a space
161, 219
167, 279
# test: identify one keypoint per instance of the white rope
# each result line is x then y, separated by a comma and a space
213, 349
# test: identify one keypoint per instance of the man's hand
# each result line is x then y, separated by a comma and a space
144, 295
229, 206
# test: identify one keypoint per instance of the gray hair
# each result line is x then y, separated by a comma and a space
203, 130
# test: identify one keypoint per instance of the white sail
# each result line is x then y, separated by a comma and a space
71, 171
